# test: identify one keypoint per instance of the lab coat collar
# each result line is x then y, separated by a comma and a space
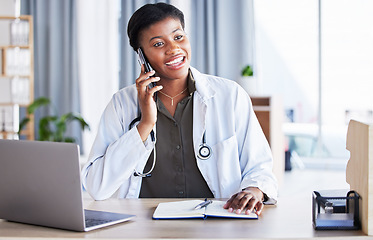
204, 89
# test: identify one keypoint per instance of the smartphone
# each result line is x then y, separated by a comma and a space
142, 60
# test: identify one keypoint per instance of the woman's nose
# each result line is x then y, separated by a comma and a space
173, 47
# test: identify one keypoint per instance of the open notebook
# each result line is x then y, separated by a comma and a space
185, 209
40, 184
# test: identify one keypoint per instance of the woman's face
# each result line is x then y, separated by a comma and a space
167, 48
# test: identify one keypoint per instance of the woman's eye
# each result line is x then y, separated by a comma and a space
158, 44
179, 37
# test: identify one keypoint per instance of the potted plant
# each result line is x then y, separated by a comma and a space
52, 128
247, 71
248, 81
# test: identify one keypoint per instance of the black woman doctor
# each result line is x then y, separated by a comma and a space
194, 135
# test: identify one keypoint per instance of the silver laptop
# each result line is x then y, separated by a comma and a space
40, 184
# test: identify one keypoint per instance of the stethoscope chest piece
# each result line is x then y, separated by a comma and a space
204, 151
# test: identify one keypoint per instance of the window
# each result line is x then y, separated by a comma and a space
288, 57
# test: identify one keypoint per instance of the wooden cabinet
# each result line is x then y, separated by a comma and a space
359, 169
16, 75
269, 111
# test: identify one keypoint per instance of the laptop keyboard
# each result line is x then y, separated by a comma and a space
95, 219
94, 222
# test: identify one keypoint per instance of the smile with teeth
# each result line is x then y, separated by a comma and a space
175, 61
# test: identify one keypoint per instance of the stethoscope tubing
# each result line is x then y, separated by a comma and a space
204, 151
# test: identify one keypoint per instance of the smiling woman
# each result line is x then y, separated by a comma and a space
168, 49
198, 138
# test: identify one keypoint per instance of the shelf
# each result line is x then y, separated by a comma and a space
22, 105
17, 64
15, 46
262, 108
13, 76
269, 111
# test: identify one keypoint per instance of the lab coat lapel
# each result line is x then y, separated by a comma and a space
201, 97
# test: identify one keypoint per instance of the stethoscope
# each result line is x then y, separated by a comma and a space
204, 150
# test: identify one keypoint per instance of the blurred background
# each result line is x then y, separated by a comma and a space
316, 56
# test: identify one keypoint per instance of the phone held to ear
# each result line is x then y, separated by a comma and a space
142, 60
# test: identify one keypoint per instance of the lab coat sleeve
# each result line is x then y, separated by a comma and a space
256, 159
115, 154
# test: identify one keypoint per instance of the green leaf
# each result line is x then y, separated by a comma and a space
42, 101
247, 71
60, 129
23, 123
75, 116
45, 131
69, 139
53, 128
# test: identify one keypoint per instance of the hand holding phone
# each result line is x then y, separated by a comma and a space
148, 115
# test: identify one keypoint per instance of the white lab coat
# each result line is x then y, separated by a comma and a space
241, 156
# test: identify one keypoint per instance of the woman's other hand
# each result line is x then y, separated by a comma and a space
248, 200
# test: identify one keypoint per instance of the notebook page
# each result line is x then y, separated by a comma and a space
215, 209
179, 209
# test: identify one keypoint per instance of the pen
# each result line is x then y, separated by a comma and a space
203, 204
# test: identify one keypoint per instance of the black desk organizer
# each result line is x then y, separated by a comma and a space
335, 210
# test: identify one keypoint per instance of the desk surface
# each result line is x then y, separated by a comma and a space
291, 218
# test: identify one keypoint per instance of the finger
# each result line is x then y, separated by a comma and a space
142, 83
140, 77
229, 202
254, 205
142, 66
244, 203
144, 76
258, 208
149, 82
152, 90
234, 204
